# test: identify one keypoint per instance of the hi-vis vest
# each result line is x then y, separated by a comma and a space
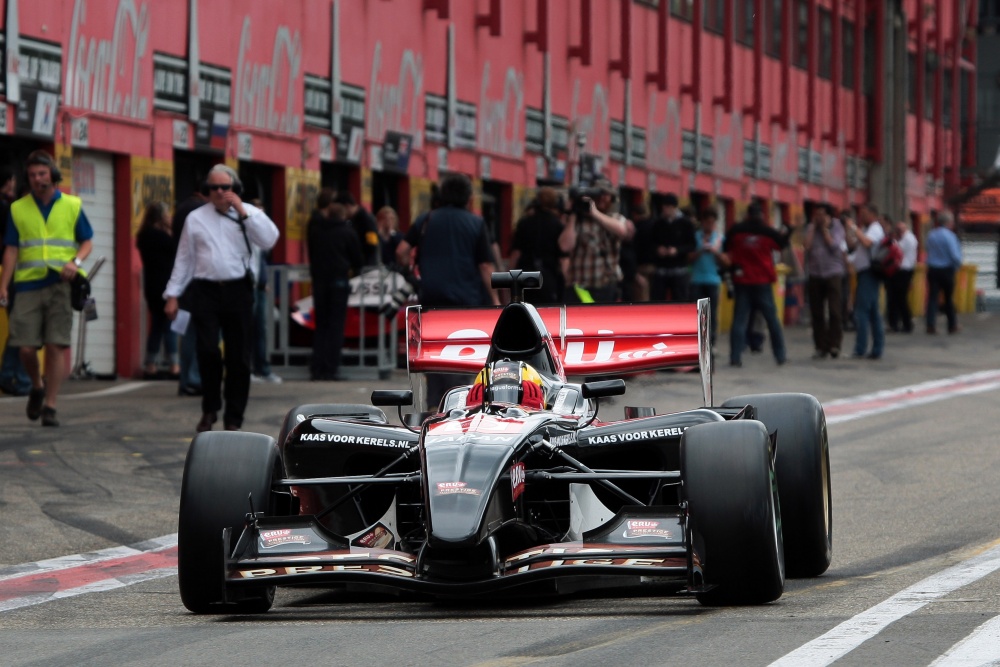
44, 245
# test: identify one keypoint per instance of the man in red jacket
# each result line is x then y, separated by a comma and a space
750, 246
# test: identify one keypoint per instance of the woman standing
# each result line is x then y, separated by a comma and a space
157, 248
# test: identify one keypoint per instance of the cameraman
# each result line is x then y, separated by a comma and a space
593, 238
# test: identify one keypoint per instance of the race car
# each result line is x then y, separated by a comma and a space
515, 482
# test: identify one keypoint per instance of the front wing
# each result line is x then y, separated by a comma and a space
300, 551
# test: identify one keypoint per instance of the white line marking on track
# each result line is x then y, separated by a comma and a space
868, 405
853, 632
980, 648
76, 560
123, 388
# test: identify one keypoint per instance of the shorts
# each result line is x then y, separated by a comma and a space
42, 317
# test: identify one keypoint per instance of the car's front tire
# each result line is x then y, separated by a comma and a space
735, 523
802, 464
222, 473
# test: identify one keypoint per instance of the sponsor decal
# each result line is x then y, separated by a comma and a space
378, 537
517, 480
559, 406
635, 436
640, 529
583, 556
374, 568
563, 440
453, 488
500, 439
353, 440
270, 539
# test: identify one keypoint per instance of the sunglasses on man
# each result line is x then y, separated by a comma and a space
225, 187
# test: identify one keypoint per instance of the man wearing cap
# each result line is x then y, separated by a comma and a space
750, 246
48, 236
593, 242
674, 238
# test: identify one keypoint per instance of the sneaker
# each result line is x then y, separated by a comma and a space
49, 417
272, 378
834, 352
256, 379
35, 399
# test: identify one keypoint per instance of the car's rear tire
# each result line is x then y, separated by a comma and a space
351, 410
802, 464
733, 512
222, 471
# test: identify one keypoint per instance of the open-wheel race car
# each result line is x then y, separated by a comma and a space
515, 481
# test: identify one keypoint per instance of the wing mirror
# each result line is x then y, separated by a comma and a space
603, 388
392, 397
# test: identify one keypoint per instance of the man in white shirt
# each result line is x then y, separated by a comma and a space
898, 285
863, 238
215, 255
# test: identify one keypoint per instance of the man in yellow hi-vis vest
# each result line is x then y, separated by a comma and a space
48, 236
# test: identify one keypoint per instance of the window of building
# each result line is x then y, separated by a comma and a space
948, 83
825, 43
745, 21
800, 47
683, 9
930, 73
714, 15
775, 21
847, 39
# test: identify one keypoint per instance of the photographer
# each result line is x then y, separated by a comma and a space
592, 238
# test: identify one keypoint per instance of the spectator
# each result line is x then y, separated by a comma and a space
388, 234
334, 255
825, 245
47, 238
157, 247
13, 378
673, 238
189, 381
898, 285
645, 252
866, 236
634, 286
944, 258
705, 262
536, 248
363, 224
592, 238
454, 260
750, 246
215, 257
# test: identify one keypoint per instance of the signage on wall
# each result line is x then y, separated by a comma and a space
318, 101
637, 147
326, 150
396, 152
182, 134
80, 132
350, 141
244, 146
215, 88
266, 87
170, 83
40, 76
436, 119
617, 141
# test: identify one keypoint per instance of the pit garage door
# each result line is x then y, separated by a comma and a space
94, 183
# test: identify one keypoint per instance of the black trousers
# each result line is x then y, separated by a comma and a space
897, 292
224, 308
330, 310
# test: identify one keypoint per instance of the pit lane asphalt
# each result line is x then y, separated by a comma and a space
914, 491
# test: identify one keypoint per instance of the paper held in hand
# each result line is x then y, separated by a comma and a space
180, 323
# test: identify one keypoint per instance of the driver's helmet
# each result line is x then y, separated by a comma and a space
513, 382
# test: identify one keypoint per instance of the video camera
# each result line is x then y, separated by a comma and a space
579, 200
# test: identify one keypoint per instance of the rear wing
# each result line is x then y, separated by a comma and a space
591, 339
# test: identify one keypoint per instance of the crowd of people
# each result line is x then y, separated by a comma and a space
208, 261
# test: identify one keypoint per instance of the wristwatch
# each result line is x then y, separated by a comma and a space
78, 262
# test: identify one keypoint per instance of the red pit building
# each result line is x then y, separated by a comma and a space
788, 102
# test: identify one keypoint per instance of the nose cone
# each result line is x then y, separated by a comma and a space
461, 480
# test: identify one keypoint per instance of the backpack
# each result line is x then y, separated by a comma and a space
887, 256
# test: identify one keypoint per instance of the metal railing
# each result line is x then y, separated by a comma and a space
371, 353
